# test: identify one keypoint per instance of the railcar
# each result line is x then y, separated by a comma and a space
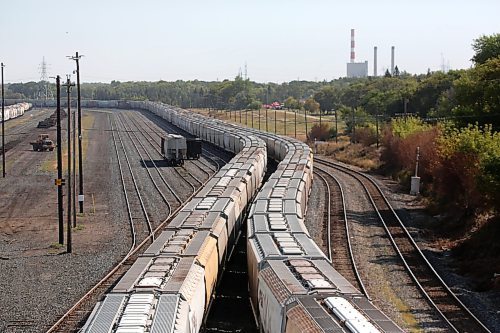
16, 110
170, 286
293, 286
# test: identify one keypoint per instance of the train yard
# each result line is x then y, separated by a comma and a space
136, 196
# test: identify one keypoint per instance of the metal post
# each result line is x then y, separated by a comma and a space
59, 163
416, 164
353, 127
376, 122
336, 128
275, 119
305, 118
285, 123
267, 105
295, 136
74, 169
3, 126
266, 119
259, 118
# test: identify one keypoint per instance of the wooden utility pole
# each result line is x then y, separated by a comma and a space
81, 196
3, 126
70, 193
59, 180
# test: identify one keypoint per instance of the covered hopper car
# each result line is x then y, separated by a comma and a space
176, 148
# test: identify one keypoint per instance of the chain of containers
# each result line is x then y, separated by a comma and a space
292, 284
170, 287
16, 110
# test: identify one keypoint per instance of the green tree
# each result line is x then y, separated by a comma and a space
396, 71
292, 103
477, 94
485, 48
328, 98
311, 105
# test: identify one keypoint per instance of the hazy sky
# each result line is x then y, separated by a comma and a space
280, 40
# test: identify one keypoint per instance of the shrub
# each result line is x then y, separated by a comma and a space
254, 105
400, 141
467, 175
367, 135
321, 133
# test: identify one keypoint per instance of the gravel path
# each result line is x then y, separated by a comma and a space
39, 282
412, 212
374, 256
314, 218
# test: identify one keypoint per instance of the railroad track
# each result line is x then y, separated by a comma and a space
209, 152
337, 225
76, 316
132, 179
146, 161
458, 317
181, 171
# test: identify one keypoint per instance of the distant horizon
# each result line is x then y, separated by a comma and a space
277, 41
73, 78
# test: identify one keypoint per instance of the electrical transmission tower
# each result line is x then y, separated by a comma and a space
43, 91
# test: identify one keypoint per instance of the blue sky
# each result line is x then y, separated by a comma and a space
209, 40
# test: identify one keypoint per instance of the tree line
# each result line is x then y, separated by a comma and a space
468, 96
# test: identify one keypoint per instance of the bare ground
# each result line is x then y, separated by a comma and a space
38, 279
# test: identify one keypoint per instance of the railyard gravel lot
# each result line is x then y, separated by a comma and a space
38, 279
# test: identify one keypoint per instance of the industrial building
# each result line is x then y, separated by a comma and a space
356, 69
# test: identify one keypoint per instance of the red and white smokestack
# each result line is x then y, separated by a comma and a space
353, 55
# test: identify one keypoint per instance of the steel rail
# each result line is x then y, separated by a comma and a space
160, 154
184, 177
57, 327
407, 237
346, 230
143, 206
177, 197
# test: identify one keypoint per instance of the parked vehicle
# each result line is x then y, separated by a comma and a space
43, 143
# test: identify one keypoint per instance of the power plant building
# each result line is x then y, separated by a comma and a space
356, 69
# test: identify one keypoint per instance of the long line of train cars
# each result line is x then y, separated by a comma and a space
293, 286
14, 111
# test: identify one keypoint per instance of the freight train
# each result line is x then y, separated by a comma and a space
176, 148
292, 284
14, 111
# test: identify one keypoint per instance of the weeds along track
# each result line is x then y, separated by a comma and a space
433, 288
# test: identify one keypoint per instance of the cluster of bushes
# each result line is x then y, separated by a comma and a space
459, 167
